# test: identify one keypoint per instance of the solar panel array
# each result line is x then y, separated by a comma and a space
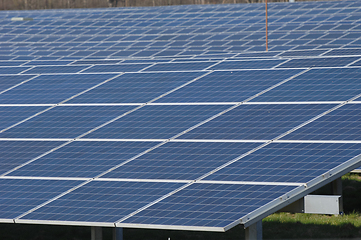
175, 117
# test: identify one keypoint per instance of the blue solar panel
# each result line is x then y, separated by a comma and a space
10, 81
341, 124
135, 88
181, 66
82, 159
256, 64
236, 86
52, 88
221, 204
336, 84
156, 122
257, 122
117, 68
65, 122
13, 115
319, 62
177, 160
20, 195
15, 153
102, 201
56, 69
288, 162
12, 70
175, 72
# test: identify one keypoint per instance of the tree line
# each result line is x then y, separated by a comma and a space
51, 4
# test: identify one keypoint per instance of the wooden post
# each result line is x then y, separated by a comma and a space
266, 27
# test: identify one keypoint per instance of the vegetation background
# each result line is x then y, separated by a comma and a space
50, 4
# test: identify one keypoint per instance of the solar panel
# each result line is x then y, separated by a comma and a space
175, 117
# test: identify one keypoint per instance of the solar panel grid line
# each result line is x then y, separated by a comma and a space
46, 178
120, 140
285, 68
36, 139
102, 104
253, 183
317, 141
66, 223
218, 140
293, 103
192, 103
141, 180
259, 69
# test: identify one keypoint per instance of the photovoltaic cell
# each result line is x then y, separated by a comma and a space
83, 159
20, 195
193, 66
15, 153
12, 70
257, 122
336, 84
102, 201
116, 68
288, 162
304, 35
341, 124
213, 205
228, 86
65, 122
55, 69
177, 160
10, 81
156, 122
52, 88
135, 88
12, 115
255, 64
319, 62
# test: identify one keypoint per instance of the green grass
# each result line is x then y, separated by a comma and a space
275, 226
298, 225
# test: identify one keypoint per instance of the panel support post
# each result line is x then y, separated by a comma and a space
337, 190
117, 233
254, 232
96, 233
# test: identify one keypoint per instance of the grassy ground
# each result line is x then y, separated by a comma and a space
275, 226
